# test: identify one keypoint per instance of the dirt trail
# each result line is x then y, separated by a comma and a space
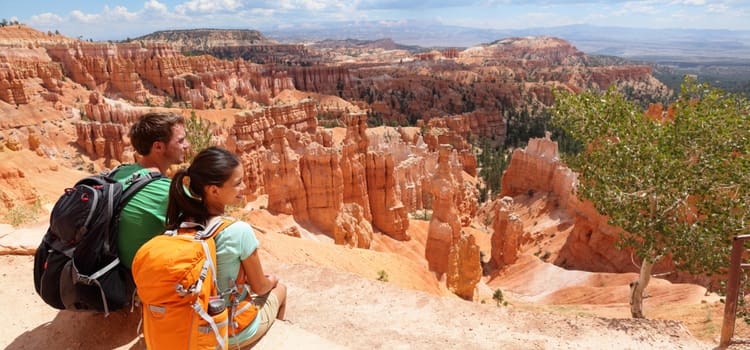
339, 310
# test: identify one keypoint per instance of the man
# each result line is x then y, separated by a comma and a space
159, 139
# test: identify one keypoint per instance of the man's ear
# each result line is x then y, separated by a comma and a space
158, 147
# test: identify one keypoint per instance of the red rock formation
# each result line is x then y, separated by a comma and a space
15, 190
388, 213
448, 250
251, 128
605, 76
477, 124
18, 65
321, 174
445, 226
591, 242
354, 165
125, 69
282, 179
464, 268
254, 132
506, 236
535, 168
323, 79
102, 140
411, 174
352, 228
102, 110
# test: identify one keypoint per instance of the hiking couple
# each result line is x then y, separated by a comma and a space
197, 195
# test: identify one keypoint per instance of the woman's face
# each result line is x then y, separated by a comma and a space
230, 192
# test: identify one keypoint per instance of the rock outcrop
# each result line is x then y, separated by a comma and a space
330, 80
281, 174
306, 175
19, 64
464, 269
103, 140
352, 228
507, 234
539, 169
320, 169
591, 242
448, 250
191, 40
388, 213
354, 163
15, 191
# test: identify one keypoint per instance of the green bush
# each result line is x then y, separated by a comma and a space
23, 214
198, 133
498, 297
382, 276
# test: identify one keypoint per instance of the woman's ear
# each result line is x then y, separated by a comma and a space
211, 190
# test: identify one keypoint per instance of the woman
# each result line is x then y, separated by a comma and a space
200, 194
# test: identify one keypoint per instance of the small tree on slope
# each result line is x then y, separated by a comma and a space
677, 185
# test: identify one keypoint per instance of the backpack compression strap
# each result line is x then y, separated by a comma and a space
197, 307
202, 235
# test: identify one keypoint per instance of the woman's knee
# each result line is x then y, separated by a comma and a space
280, 292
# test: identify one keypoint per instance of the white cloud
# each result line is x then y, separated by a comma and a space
632, 7
262, 12
689, 2
44, 19
310, 5
154, 5
718, 8
208, 6
118, 13
83, 17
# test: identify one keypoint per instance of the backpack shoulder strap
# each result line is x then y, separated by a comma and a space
138, 181
216, 227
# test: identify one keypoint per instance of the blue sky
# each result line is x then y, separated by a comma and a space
115, 20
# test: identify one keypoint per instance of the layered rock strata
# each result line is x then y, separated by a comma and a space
448, 250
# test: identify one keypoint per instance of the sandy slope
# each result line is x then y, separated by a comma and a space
332, 309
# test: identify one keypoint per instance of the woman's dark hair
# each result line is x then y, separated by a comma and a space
212, 166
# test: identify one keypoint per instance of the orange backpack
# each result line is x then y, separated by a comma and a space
175, 276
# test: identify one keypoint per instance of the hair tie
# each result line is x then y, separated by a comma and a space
186, 188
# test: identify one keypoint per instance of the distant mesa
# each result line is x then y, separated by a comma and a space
206, 38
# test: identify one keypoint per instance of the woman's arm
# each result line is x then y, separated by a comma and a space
259, 282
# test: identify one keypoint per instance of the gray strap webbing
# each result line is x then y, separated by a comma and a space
210, 263
94, 279
204, 315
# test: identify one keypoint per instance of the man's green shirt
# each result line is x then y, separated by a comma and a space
143, 216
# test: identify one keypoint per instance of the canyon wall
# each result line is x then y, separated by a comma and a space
591, 242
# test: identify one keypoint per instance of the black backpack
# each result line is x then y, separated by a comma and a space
76, 266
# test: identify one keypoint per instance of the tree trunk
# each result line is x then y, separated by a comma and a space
638, 287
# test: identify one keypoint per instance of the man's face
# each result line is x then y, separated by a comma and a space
175, 150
